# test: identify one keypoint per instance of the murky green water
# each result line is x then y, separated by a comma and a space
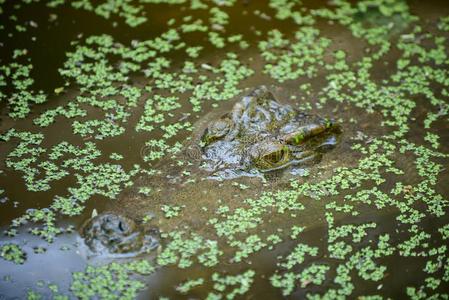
368, 221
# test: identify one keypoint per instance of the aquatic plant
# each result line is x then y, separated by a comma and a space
150, 89
13, 253
112, 281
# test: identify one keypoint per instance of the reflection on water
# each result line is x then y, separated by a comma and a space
175, 196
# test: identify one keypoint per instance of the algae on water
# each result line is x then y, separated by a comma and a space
98, 100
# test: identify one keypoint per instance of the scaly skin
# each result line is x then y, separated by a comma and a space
109, 234
259, 132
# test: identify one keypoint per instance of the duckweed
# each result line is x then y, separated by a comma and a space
185, 287
182, 251
13, 253
112, 281
242, 283
150, 88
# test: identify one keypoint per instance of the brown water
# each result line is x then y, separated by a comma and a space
201, 198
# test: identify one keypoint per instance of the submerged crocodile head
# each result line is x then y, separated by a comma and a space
260, 134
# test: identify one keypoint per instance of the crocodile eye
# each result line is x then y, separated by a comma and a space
277, 158
217, 130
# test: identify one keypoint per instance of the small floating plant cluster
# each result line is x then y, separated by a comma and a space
398, 172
